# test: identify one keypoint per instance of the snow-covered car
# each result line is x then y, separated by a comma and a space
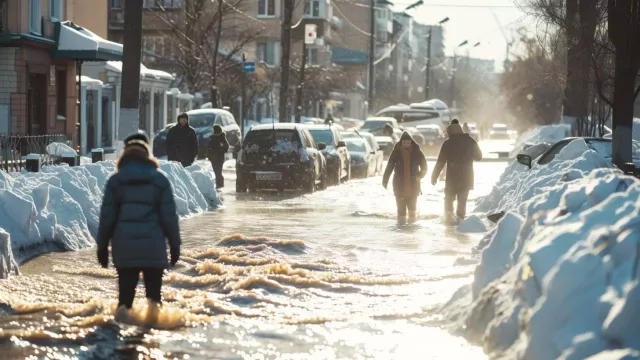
600, 145
335, 151
372, 142
363, 158
499, 132
280, 156
433, 137
386, 143
375, 125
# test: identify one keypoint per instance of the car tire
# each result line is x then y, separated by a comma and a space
323, 181
310, 186
336, 177
348, 173
241, 186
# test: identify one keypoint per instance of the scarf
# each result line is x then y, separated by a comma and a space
406, 157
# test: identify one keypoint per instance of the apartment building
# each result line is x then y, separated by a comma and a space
38, 57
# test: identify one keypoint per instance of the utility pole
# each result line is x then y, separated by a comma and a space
285, 44
428, 69
310, 35
243, 85
453, 82
129, 121
372, 54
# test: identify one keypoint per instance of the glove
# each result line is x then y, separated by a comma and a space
384, 185
434, 182
103, 257
175, 256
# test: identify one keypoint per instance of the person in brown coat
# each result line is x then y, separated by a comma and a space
409, 166
458, 153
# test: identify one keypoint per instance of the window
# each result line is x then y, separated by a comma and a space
35, 17
229, 119
312, 8
61, 92
312, 56
267, 7
115, 4
307, 140
267, 52
149, 4
56, 9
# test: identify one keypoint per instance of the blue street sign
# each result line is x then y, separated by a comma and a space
249, 67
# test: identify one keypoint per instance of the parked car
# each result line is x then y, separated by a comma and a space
386, 145
373, 142
363, 157
375, 125
601, 145
202, 120
335, 152
433, 137
281, 156
499, 132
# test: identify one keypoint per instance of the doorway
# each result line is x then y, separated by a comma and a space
37, 104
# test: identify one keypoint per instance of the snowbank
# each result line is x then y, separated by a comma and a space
558, 275
549, 134
58, 209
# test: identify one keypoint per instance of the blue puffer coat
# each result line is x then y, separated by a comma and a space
138, 213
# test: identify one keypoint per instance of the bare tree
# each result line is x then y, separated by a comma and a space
624, 30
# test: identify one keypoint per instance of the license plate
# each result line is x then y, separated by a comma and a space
268, 177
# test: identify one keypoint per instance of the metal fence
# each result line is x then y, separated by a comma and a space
14, 148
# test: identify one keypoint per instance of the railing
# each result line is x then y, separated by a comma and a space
14, 148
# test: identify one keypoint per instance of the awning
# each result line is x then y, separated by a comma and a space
348, 56
75, 42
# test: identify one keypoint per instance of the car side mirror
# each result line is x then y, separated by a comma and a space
341, 143
524, 160
322, 146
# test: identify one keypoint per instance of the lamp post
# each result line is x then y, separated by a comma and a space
427, 86
453, 73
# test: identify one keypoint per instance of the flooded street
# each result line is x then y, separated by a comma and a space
322, 276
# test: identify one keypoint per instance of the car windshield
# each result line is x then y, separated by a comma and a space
202, 120
356, 146
281, 140
375, 124
322, 136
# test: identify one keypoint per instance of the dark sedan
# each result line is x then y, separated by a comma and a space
363, 158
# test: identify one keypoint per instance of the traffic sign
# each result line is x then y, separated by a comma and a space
311, 33
249, 66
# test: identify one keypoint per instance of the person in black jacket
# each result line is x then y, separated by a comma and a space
458, 153
182, 142
218, 147
409, 166
138, 219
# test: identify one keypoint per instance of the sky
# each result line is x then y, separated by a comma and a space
475, 21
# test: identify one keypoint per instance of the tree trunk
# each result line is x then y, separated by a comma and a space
214, 70
623, 99
131, 56
285, 44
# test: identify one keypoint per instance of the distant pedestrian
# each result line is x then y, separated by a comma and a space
138, 217
409, 166
458, 153
465, 128
182, 142
329, 119
218, 147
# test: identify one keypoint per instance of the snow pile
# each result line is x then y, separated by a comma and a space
549, 134
8, 265
472, 224
559, 276
59, 149
58, 209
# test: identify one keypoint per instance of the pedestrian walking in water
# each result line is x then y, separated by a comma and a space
138, 217
218, 147
458, 153
182, 142
409, 166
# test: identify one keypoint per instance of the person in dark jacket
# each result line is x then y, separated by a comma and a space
182, 142
329, 119
138, 213
218, 147
409, 166
458, 153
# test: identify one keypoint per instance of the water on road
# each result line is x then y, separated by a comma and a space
322, 276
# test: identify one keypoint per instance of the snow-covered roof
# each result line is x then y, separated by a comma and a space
145, 72
90, 83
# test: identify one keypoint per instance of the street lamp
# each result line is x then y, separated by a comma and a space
453, 72
428, 67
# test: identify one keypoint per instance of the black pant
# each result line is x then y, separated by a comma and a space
451, 195
217, 169
406, 202
128, 281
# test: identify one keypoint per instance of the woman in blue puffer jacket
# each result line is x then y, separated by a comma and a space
138, 213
